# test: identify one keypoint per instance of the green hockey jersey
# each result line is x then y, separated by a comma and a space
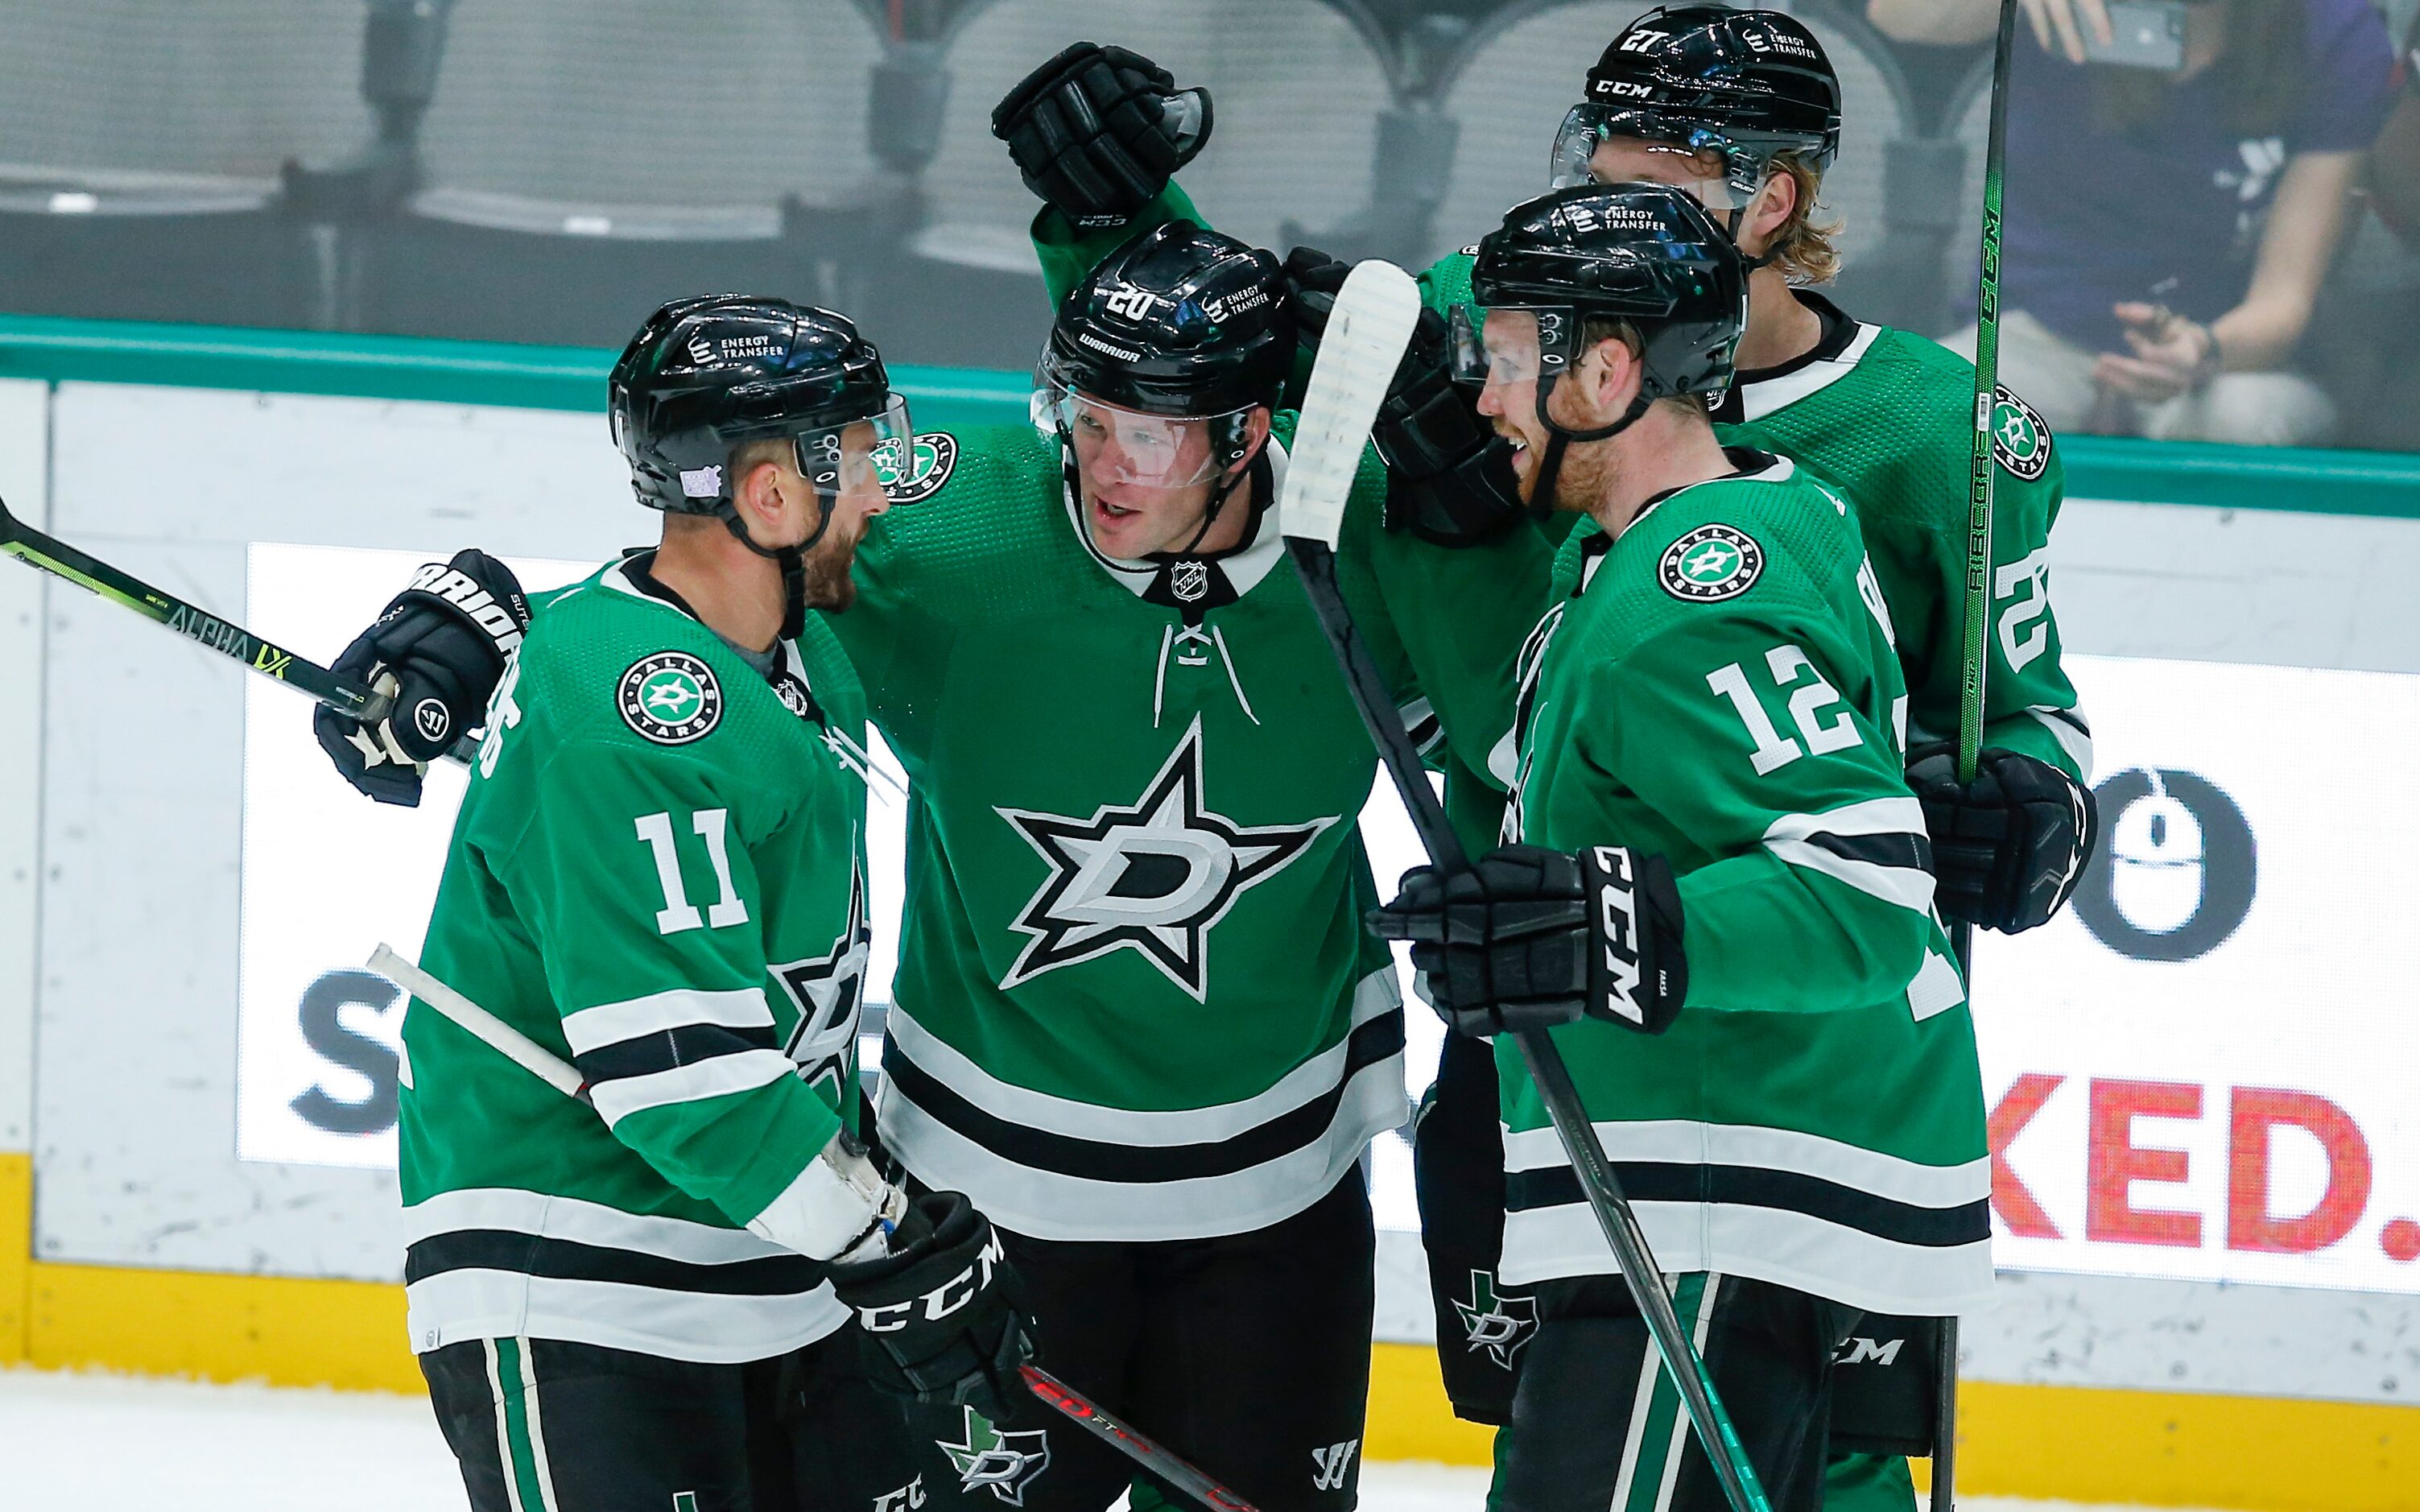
1135, 1000
657, 875
1722, 690
1889, 418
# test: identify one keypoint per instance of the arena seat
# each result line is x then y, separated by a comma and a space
139, 153
1296, 90
586, 160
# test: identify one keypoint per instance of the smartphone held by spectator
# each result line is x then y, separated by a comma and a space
2180, 180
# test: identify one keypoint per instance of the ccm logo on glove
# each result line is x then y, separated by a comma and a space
941, 1301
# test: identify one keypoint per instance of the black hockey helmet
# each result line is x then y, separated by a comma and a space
1645, 254
707, 374
1749, 85
1181, 323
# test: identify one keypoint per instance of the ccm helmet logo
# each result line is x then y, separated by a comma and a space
1618, 921
937, 1303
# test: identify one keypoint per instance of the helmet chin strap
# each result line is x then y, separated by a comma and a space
791, 559
1542, 496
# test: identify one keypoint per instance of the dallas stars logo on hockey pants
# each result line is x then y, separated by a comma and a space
1498, 1324
1004, 1463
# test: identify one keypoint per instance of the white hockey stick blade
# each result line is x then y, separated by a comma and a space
477, 1022
1371, 324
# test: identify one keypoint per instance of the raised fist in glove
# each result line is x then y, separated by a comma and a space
1529, 938
437, 652
943, 1314
2008, 847
1097, 131
1449, 478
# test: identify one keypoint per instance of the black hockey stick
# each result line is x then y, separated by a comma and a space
230, 639
1976, 637
565, 1078
1365, 335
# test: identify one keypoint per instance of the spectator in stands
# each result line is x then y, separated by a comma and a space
2395, 164
2167, 232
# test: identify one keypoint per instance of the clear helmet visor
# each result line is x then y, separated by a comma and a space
1509, 344
1127, 448
857, 457
1675, 155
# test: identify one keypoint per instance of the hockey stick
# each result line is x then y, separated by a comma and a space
1367, 331
50, 554
1982, 475
565, 1078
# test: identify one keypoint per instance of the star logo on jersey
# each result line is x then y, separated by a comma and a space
913, 470
2020, 436
829, 992
671, 697
1498, 1324
1709, 564
1002, 1463
1152, 877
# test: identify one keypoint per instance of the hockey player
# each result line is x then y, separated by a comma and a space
657, 874
1718, 893
1137, 1016
1741, 107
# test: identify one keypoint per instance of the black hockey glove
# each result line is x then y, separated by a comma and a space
943, 1316
1449, 478
2007, 848
1097, 131
438, 649
1529, 938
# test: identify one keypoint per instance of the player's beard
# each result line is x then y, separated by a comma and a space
1590, 471
829, 586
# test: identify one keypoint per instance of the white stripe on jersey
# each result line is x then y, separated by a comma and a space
719, 1077
610, 1024
535, 1213
1689, 1142
613, 1315
1791, 837
1376, 995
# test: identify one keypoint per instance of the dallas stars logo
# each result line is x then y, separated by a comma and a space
1003, 1463
671, 697
913, 469
1153, 878
1500, 1325
829, 992
2020, 436
1710, 563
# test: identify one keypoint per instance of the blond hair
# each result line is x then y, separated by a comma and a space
1803, 246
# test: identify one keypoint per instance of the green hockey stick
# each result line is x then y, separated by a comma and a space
1978, 630
1367, 331
229, 639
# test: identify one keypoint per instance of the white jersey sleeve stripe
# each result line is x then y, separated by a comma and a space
719, 1077
610, 1024
1825, 843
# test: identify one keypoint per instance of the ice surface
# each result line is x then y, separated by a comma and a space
103, 1443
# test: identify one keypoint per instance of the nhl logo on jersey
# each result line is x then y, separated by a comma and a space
1189, 580
671, 697
929, 459
1710, 563
2020, 436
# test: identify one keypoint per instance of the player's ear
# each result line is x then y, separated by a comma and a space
757, 492
1610, 379
1776, 201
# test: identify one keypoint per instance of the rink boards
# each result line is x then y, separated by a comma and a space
2211, 1165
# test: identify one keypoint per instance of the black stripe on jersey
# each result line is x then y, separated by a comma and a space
562, 1260
1749, 1186
1898, 849
667, 1049
1098, 1161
